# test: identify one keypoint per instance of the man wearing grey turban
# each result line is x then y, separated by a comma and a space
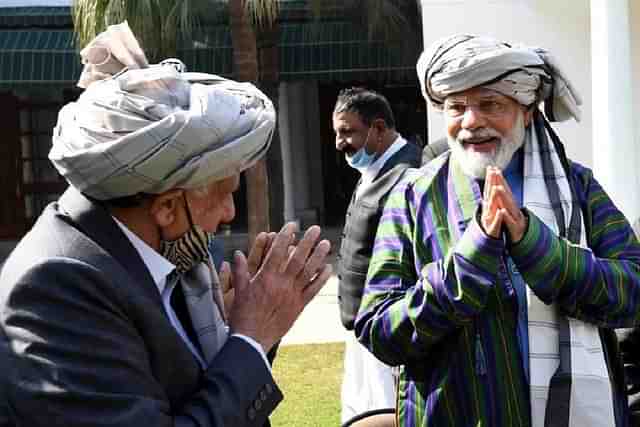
501, 267
112, 311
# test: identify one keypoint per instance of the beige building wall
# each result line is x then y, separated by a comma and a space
634, 25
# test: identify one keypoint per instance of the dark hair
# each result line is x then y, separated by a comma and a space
368, 104
132, 201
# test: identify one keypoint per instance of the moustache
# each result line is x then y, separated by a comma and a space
467, 136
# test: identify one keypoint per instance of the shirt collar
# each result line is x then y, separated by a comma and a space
158, 266
370, 173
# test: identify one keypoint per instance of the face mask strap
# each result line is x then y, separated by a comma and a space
364, 146
186, 203
375, 153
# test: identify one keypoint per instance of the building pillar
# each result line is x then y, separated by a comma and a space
298, 153
615, 157
314, 211
284, 128
298, 146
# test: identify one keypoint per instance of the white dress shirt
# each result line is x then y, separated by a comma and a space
369, 174
160, 268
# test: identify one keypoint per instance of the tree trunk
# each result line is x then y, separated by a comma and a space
269, 80
245, 61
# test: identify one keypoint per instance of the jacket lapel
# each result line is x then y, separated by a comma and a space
408, 155
96, 223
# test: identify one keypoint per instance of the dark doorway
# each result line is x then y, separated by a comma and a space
339, 179
28, 180
12, 214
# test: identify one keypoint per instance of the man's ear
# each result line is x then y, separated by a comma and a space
164, 207
380, 125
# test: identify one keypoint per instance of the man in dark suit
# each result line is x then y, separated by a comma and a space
365, 132
111, 310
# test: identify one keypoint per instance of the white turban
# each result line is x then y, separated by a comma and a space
528, 75
148, 129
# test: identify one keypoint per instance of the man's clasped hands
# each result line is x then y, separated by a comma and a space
500, 208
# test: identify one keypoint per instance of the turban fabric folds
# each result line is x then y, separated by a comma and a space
527, 74
140, 128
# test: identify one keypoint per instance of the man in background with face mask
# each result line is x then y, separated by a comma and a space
112, 311
365, 131
501, 267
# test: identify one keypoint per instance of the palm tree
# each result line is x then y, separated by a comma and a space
265, 187
157, 24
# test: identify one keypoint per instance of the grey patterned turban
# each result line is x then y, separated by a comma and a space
140, 128
528, 75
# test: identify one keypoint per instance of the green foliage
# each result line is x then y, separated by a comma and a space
384, 19
394, 20
157, 24
264, 13
310, 377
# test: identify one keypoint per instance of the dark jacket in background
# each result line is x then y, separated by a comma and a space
361, 223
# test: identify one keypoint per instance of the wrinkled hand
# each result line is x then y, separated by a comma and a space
499, 208
259, 250
226, 285
285, 280
257, 253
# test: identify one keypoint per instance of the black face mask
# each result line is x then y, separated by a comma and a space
189, 249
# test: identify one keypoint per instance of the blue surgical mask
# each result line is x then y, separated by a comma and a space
361, 159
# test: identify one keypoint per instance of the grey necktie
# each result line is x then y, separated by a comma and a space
203, 296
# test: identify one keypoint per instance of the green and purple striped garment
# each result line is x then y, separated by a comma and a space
439, 302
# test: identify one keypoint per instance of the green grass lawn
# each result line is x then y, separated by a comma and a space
310, 377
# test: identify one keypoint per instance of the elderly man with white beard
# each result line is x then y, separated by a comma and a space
501, 267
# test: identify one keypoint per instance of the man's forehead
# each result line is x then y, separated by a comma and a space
227, 185
476, 93
347, 119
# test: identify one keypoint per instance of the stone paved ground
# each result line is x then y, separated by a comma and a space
320, 320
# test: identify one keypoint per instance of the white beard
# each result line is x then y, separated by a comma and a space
474, 163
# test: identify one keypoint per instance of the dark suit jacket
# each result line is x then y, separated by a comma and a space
360, 228
90, 343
